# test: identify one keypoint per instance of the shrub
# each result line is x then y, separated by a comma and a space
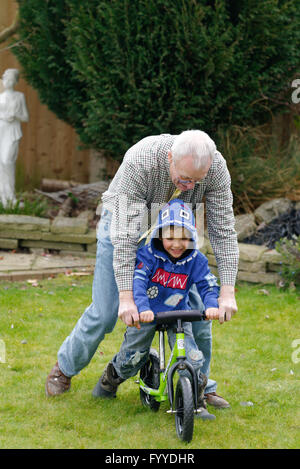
261, 167
118, 70
26, 204
290, 251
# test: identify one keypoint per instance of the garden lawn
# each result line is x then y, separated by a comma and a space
256, 362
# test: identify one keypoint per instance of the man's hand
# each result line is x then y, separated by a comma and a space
227, 303
128, 312
147, 316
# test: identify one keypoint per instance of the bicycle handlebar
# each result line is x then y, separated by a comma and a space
166, 317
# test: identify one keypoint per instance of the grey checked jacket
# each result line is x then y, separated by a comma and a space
144, 179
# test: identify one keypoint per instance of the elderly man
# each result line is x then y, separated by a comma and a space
150, 172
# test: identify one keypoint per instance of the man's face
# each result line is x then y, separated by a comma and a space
183, 173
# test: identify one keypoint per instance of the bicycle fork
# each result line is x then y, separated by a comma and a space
179, 363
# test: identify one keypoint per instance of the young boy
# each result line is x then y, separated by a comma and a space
166, 268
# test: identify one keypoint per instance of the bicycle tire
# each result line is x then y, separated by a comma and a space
184, 409
149, 373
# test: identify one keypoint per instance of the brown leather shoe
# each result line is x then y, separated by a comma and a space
212, 398
56, 382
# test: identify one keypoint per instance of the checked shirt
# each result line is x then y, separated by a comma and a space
143, 180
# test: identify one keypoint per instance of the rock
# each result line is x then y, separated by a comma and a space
69, 225
87, 238
211, 259
64, 262
23, 222
272, 256
207, 248
251, 266
23, 234
245, 225
92, 248
51, 245
251, 252
8, 243
16, 262
89, 214
258, 277
272, 209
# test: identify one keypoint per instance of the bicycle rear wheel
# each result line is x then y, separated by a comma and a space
150, 375
184, 409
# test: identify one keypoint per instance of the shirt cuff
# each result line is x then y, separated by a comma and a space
227, 278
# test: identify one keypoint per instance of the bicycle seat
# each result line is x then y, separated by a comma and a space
167, 317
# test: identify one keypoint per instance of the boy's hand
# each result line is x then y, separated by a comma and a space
147, 316
212, 313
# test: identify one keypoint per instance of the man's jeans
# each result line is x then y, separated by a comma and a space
101, 316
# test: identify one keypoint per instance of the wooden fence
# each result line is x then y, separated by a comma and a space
49, 147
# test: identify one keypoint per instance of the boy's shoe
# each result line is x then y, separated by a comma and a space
202, 410
203, 414
56, 382
213, 399
108, 383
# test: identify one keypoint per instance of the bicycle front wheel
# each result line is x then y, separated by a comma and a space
184, 409
149, 373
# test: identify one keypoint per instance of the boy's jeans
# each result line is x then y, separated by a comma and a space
101, 316
136, 345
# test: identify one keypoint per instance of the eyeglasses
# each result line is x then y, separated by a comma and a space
186, 182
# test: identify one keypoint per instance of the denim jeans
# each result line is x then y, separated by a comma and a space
135, 348
101, 315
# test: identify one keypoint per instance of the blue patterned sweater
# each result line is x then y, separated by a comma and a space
162, 283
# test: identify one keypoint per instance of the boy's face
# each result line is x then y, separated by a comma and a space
176, 240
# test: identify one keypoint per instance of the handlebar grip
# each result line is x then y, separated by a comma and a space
190, 315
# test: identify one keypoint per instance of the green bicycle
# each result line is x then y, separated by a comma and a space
156, 380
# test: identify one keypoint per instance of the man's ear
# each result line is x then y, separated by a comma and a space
170, 156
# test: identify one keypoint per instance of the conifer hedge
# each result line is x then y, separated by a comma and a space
118, 70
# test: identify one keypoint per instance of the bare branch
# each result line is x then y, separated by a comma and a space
11, 30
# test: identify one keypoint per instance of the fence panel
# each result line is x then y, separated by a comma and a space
49, 147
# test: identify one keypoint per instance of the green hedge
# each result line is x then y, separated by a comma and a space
118, 70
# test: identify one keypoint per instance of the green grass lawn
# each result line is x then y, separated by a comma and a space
254, 362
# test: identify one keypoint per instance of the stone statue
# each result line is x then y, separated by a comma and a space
13, 111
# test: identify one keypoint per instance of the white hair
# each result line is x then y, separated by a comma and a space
195, 143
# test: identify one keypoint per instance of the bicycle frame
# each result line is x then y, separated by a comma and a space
177, 361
